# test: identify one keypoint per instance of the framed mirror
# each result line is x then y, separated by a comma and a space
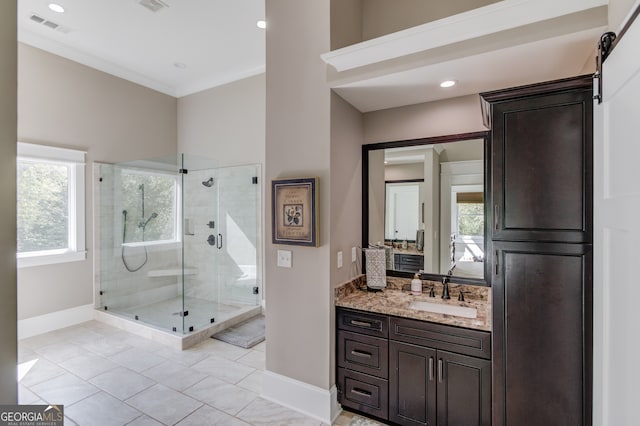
424, 201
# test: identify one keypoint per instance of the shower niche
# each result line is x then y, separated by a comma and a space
177, 243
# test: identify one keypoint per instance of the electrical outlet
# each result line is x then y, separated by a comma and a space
354, 255
339, 259
284, 258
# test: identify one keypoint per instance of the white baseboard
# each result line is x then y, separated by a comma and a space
321, 404
53, 321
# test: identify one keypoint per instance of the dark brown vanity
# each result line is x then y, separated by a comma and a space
413, 372
533, 365
541, 250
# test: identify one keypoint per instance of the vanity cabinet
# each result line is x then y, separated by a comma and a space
541, 162
408, 262
540, 256
363, 361
413, 372
432, 378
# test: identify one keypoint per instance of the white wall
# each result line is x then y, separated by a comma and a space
618, 12
8, 133
346, 188
299, 299
63, 103
381, 17
225, 123
446, 117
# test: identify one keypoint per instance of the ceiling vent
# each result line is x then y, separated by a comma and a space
47, 23
153, 5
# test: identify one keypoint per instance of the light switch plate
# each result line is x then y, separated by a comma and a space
354, 255
284, 258
339, 259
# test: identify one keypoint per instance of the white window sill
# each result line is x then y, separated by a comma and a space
26, 261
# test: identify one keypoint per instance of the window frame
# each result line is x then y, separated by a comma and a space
75, 160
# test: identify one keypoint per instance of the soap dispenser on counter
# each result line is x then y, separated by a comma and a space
416, 285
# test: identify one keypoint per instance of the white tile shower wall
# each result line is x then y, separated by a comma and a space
227, 275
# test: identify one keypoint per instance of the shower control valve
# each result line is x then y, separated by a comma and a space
211, 240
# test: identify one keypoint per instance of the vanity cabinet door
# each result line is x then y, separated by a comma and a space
542, 334
412, 384
464, 390
542, 164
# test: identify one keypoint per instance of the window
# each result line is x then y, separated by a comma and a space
150, 207
469, 242
471, 219
50, 205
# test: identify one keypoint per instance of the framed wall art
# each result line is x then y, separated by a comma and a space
295, 211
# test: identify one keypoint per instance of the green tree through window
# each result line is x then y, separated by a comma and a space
43, 206
471, 219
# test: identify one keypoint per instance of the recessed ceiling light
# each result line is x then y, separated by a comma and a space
261, 24
448, 83
180, 65
56, 7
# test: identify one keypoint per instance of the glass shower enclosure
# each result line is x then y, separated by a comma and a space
179, 242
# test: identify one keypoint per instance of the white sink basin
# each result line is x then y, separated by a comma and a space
439, 308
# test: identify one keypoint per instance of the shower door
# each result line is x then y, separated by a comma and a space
221, 217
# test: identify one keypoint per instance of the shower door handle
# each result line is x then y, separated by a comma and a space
219, 241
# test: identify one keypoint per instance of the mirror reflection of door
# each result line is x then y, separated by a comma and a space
402, 211
467, 225
462, 202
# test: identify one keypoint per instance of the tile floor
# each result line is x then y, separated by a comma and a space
106, 376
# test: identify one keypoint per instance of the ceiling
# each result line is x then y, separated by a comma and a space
193, 45
217, 41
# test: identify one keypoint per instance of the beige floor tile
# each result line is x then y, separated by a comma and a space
137, 359
38, 370
253, 382
164, 404
174, 375
265, 413
255, 359
101, 409
88, 365
221, 395
122, 382
209, 416
223, 369
65, 389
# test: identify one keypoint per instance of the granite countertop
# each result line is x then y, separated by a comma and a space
395, 301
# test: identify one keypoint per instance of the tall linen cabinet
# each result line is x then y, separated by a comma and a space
540, 251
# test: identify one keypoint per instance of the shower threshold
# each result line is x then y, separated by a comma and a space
166, 337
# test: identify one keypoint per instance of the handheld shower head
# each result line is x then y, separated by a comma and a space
143, 223
208, 183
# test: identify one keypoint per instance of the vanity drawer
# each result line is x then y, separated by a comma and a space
363, 392
363, 322
365, 354
460, 340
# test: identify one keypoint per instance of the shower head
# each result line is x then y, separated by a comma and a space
143, 223
208, 183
